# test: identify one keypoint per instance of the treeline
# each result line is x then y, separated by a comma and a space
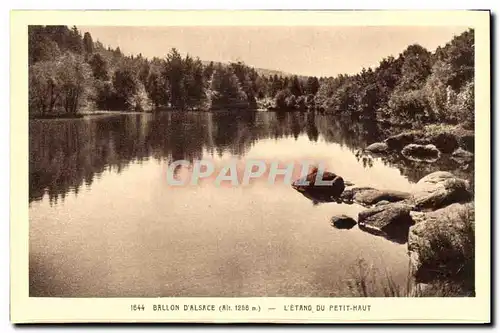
70, 72
416, 87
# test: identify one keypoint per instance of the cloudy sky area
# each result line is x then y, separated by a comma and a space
319, 51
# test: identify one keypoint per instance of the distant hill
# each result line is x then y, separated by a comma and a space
268, 72
260, 71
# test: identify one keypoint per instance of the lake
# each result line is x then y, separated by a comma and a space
104, 221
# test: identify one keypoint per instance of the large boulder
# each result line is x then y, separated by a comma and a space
467, 141
348, 195
378, 148
446, 142
368, 196
342, 222
440, 189
371, 197
430, 181
418, 152
397, 142
441, 244
310, 187
391, 221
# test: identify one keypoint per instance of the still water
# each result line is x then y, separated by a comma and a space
105, 222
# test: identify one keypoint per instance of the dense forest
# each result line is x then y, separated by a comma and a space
69, 73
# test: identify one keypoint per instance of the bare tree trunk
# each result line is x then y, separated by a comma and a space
52, 97
42, 104
75, 102
67, 101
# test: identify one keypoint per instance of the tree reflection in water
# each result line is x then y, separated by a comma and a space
65, 155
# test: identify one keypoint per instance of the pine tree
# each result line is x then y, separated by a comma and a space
99, 67
88, 44
294, 86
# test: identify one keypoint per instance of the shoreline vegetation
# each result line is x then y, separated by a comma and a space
424, 99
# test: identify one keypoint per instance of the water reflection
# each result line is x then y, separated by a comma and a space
140, 237
414, 170
65, 155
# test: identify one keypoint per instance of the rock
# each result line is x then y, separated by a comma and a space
321, 191
467, 141
368, 196
421, 152
438, 190
446, 142
378, 148
430, 181
381, 203
462, 156
441, 243
453, 191
348, 195
397, 142
348, 183
343, 222
317, 197
391, 221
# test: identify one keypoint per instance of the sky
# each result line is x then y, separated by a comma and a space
302, 50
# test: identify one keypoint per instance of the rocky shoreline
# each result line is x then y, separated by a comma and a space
428, 144
435, 219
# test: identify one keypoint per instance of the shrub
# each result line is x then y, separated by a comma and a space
462, 109
290, 102
407, 107
282, 98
